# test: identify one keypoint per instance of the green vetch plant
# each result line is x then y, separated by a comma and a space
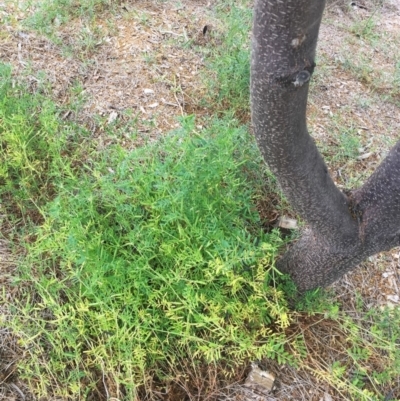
229, 62
373, 358
366, 29
146, 257
49, 14
32, 144
74, 26
361, 358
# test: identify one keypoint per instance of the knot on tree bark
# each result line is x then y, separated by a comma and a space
301, 78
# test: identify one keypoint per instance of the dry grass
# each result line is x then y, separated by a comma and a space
355, 91
143, 65
11, 388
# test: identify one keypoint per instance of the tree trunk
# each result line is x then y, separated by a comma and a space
342, 230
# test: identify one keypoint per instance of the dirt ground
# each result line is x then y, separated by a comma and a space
143, 70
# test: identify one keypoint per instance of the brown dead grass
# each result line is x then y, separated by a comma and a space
143, 68
11, 387
356, 98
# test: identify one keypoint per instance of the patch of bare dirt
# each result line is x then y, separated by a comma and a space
354, 81
144, 65
144, 69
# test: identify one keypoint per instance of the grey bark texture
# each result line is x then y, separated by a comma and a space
343, 230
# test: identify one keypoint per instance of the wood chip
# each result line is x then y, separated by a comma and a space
364, 156
287, 222
260, 380
112, 117
393, 298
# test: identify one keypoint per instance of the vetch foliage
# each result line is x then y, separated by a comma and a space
229, 62
148, 256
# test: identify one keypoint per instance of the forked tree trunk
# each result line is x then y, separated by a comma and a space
342, 230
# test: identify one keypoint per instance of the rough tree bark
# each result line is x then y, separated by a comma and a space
343, 230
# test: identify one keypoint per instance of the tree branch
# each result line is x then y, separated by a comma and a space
343, 230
